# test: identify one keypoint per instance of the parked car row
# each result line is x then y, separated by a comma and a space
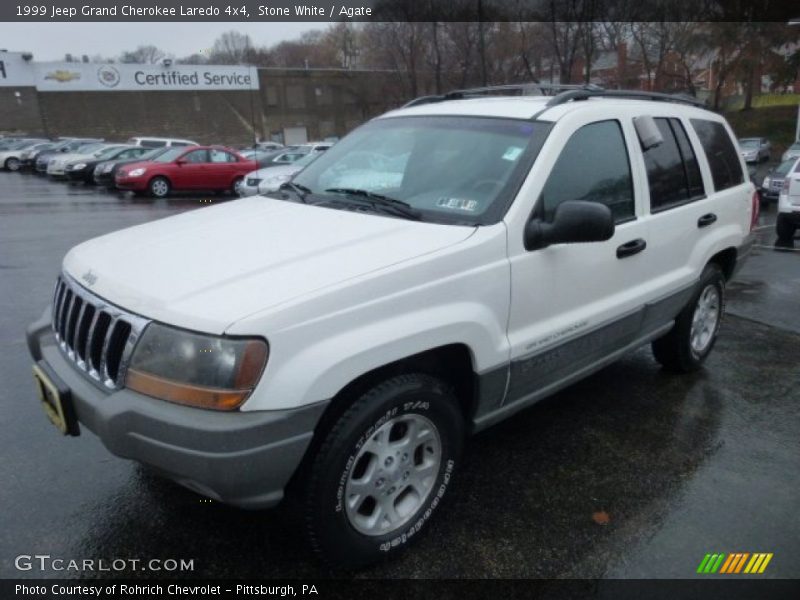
154, 166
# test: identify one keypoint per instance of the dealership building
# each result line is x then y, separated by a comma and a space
208, 103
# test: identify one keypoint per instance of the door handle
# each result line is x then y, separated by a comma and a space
706, 220
631, 248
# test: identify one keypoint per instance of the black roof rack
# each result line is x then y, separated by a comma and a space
561, 94
585, 94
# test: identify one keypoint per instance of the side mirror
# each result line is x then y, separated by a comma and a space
181, 161
575, 221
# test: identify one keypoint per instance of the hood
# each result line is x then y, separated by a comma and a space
135, 164
283, 171
64, 158
210, 267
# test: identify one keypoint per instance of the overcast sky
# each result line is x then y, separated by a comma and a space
50, 41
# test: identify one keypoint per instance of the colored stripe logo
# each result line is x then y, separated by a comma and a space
736, 562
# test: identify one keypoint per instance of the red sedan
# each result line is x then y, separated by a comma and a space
203, 168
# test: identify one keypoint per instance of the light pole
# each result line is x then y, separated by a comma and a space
795, 22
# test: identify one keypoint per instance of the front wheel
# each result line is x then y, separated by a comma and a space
784, 229
689, 342
12, 164
382, 470
159, 187
236, 186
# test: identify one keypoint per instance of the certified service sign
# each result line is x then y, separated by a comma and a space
90, 77
108, 76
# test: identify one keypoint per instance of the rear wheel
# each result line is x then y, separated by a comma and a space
159, 187
12, 164
689, 342
382, 470
784, 229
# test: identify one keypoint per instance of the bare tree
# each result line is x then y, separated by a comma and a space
231, 48
146, 55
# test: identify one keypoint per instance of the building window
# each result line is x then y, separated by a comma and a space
296, 96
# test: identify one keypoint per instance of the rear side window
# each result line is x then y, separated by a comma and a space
723, 159
672, 171
593, 166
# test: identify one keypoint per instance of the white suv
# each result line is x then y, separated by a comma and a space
436, 271
788, 219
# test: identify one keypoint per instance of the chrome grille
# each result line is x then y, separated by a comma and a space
96, 336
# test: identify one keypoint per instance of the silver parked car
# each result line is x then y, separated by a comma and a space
754, 149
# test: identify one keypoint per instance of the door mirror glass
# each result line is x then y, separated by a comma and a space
575, 221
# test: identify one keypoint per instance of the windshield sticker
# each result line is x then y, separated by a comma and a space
457, 204
512, 153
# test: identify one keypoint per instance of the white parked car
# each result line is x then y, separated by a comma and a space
755, 149
159, 142
10, 158
268, 180
57, 162
788, 218
343, 340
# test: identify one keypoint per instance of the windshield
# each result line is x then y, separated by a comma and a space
450, 169
107, 152
169, 155
149, 155
308, 158
782, 169
88, 148
748, 143
795, 146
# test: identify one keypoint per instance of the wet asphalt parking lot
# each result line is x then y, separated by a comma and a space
630, 473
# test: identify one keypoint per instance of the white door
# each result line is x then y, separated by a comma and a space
689, 211
293, 136
574, 305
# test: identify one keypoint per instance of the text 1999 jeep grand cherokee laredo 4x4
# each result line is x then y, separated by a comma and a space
439, 269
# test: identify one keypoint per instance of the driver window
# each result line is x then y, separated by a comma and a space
593, 166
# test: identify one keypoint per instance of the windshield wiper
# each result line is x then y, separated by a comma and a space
397, 207
301, 190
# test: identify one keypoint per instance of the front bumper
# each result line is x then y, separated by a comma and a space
241, 458
792, 217
136, 184
769, 194
81, 175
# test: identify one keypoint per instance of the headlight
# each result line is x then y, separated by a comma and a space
107, 168
196, 369
79, 166
137, 172
766, 182
273, 183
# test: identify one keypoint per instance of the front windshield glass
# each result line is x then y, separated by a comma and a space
783, 168
308, 158
149, 155
448, 168
88, 148
748, 143
106, 152
169, 155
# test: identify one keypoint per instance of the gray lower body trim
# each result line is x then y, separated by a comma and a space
241, 458
541, 374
